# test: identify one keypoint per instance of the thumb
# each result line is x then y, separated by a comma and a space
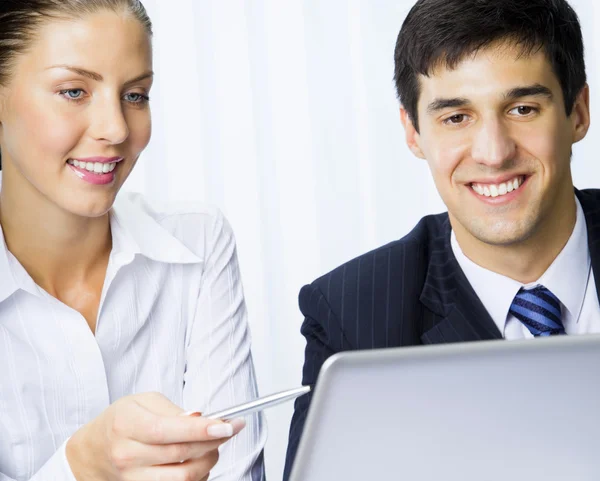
156, 403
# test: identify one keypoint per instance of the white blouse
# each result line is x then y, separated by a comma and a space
172, 319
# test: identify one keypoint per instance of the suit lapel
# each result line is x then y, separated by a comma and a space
459, 314
449, 296
591, 209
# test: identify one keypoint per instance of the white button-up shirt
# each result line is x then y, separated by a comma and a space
570, 278
172, 319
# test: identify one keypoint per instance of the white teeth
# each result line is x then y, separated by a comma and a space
496, 190
95, 167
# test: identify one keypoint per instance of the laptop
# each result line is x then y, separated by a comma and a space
484, 411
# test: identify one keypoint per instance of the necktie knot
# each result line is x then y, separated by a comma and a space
539, 310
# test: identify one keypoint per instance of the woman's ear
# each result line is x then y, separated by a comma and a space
412, 136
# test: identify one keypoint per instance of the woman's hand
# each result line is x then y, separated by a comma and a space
145, 437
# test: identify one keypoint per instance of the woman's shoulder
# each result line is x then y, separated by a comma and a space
174, 210
197, 225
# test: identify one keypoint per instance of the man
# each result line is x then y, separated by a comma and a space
493, 96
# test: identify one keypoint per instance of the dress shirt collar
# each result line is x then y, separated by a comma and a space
8, 282
135, 230
566, 277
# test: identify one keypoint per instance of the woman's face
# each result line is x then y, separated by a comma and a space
74, 114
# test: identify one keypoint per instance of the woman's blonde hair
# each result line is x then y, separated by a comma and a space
20, 19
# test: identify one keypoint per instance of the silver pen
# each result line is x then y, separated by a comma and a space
257, 404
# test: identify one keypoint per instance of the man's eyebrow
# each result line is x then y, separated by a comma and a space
535, 90
440, 104
97, 77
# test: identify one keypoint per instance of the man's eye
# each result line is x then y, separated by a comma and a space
523, 110
455, 119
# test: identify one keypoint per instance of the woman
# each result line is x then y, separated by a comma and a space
114, 319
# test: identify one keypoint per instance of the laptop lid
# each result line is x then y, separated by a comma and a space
486, 411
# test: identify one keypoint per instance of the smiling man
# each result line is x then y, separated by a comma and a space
493, 96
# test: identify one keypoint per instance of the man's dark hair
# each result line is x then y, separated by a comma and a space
443, 32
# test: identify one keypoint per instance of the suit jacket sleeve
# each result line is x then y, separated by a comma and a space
324, 337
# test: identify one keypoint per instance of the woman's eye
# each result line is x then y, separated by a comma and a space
72, 94
136, 98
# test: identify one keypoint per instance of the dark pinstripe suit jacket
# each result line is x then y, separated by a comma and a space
406, 293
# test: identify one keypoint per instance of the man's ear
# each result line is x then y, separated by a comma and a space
412, 136
581, 114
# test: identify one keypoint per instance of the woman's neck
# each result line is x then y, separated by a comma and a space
56, 247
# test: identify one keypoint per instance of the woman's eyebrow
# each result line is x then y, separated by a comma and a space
141, 77
80, 71
96, 76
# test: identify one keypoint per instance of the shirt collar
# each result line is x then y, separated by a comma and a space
566, 277
136, 229
495, 291
8, 282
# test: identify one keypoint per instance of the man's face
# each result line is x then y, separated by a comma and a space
497, 139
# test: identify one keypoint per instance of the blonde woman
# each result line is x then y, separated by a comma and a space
115, 317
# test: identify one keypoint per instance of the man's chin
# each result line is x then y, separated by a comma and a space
501, 235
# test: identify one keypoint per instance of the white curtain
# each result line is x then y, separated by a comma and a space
283, 113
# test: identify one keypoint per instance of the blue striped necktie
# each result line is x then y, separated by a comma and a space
539, 310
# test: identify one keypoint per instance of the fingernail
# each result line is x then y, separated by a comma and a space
238, 424
221, 430
193, 414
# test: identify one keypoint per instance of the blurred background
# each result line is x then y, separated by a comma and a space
283, 113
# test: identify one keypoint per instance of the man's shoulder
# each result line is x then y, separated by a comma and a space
589, 198
404, 257
374, 299
590, 203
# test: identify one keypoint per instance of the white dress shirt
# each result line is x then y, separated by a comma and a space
570, 278
171, 319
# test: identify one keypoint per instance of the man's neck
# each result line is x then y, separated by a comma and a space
525, 261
